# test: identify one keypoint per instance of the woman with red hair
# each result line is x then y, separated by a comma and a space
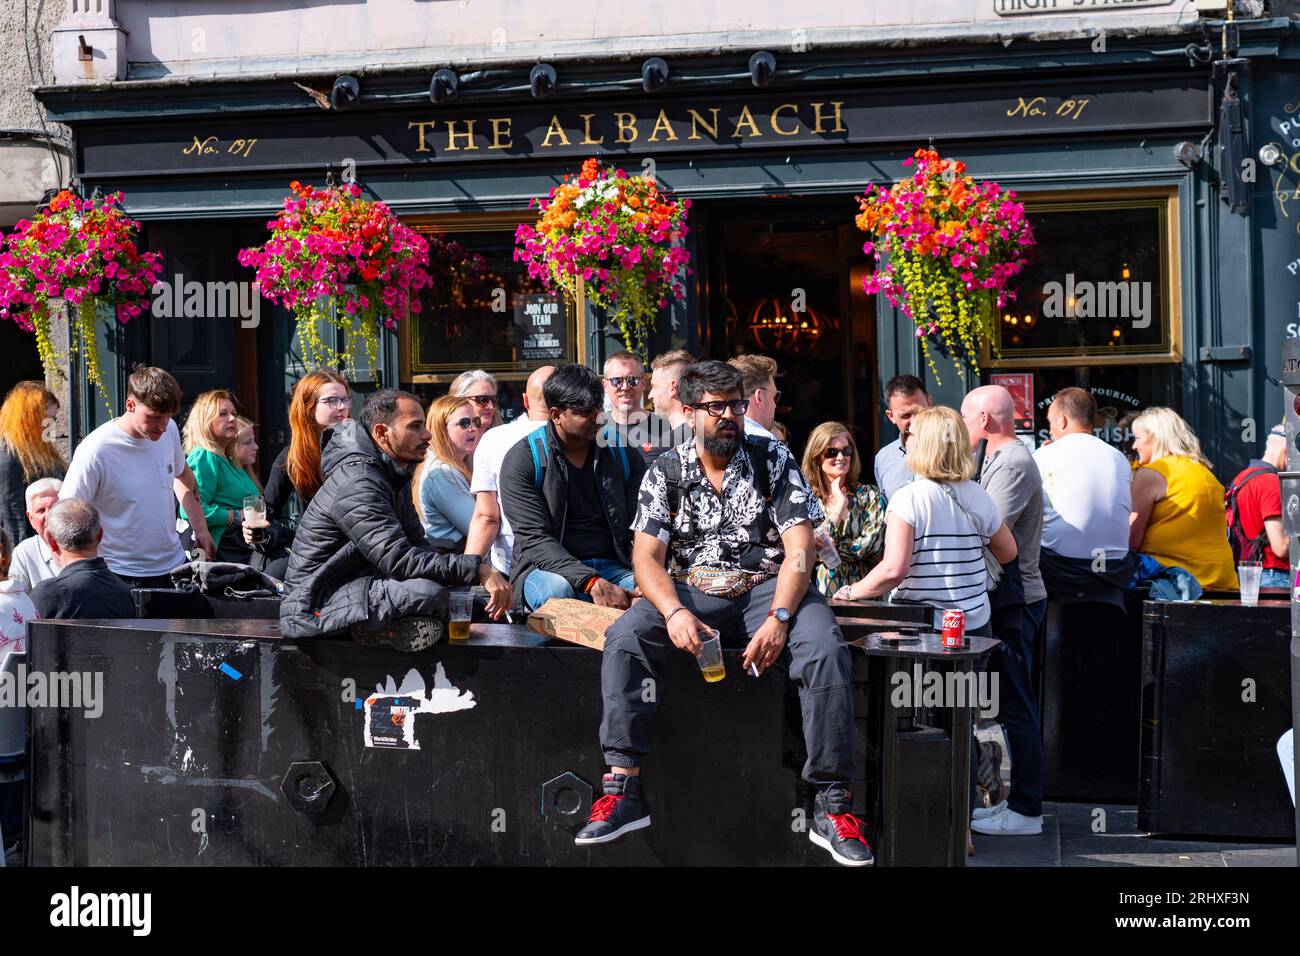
25, 453
320, 399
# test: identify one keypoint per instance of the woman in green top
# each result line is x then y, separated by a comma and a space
211, 426
855, 512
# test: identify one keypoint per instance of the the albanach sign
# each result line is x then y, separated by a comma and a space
666, 124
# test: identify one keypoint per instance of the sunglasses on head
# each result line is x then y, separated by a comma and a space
468, 423
738, 407
632, 380
482, 401
846, 451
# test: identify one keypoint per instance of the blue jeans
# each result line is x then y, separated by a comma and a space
540, 586
1275, 578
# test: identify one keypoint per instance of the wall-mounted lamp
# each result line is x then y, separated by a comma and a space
1187, 153
762, 67
541, 79
654, 74
346, 92
444, 86
1270, 154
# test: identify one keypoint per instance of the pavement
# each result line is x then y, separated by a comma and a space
1077, 834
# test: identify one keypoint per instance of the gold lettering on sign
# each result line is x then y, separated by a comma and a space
1031, 108
698, 120
452, 134
498, 132
662, 123
200, 147
555, 129
819, 119
423, 147
776, 127
626, 123
586, 131
746, 118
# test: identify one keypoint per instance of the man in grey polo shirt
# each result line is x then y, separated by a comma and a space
905, 395
1011, 478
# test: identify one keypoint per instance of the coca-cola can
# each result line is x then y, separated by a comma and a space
954, 630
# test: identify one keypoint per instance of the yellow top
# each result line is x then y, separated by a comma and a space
1188, 527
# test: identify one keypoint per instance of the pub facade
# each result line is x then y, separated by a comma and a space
1157, 152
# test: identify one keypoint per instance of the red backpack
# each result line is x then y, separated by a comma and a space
1243, 548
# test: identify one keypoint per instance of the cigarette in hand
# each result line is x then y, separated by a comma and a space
753, 669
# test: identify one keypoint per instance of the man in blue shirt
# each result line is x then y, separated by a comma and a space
905, 395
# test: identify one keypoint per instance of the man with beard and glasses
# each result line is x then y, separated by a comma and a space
736, 518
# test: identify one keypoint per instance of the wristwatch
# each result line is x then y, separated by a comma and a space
782, 614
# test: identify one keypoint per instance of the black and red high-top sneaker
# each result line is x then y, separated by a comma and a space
621, 810
836, 830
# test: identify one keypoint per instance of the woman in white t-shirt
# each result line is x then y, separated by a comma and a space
936, 526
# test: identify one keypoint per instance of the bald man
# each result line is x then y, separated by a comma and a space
1011, 478
489, 527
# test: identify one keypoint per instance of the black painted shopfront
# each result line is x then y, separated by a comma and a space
1198, 297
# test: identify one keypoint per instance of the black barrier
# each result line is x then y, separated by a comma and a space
1090, 702
221, 744
1216, 697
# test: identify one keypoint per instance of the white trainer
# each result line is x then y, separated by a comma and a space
983, 813
1008, 823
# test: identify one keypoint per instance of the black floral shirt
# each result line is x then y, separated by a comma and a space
734, 530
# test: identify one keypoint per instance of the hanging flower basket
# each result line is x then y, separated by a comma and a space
80, 253
337, 260
946, 249
616, 236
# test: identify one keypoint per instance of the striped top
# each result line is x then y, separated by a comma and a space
947, 570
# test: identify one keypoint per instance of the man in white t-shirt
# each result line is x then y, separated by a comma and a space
489, 526
132, 469
1087, 499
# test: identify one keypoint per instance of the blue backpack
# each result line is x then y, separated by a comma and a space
540, 448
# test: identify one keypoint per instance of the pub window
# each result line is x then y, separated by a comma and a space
1100, 286
483, 311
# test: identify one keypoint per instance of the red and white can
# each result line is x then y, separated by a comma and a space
954, 630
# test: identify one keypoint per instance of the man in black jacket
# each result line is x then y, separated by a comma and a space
360, 558
84, 588
570, 501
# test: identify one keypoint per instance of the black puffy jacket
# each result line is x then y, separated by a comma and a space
361, 525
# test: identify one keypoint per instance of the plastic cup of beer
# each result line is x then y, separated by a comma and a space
462, 607
1248, 575
710, 657
255, 518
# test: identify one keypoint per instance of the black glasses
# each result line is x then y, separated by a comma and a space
468, 423
482, 401
846, 451
333, 401
776, 396
632, 380
738, 407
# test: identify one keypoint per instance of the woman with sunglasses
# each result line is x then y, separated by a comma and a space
440, 486
855, 511
480, 388
320, 399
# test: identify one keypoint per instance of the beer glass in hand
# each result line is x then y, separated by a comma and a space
255, 519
